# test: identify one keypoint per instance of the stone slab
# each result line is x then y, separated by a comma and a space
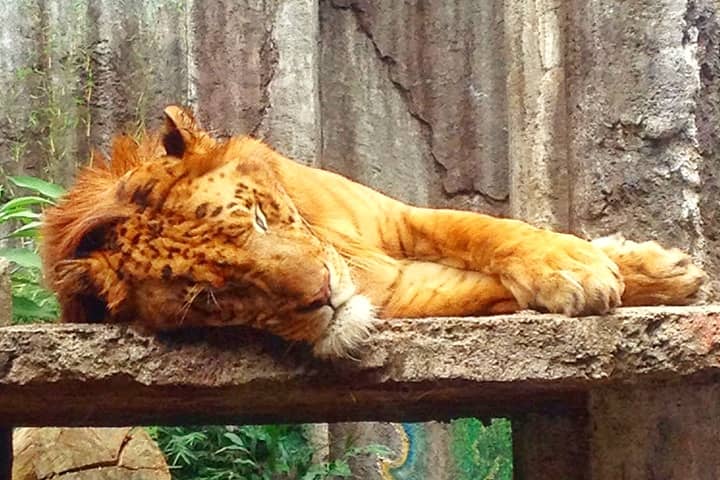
412, 370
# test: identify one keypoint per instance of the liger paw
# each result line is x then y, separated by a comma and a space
559, 273
653, 275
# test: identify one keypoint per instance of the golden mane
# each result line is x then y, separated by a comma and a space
91, 203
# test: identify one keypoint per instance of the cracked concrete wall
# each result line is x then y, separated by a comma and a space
253, 68
72, 76
413, 99
613, 119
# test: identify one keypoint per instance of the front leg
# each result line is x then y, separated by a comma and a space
543, 269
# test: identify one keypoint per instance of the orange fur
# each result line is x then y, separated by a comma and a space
184, 229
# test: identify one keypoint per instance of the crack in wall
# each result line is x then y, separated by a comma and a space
269, 58
469, 193
390, 63
90, 466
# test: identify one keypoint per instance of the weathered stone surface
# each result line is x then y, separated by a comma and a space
87, 454
552, 446
410, 89
703, 17
669, 431
20, 148
292, 118
415, 369
537, 118
138, 53
633, 83
254, 70
75, 74
234, 58
368, 133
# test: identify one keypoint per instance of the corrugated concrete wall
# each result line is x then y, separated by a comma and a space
589, 116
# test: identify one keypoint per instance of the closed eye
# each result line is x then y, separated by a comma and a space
260, 222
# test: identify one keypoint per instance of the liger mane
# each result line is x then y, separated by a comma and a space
92, 202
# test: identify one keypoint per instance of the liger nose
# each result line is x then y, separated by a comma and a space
322, 297
325, 291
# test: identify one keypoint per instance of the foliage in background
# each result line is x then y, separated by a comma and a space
482, 452
19, 225
270, 452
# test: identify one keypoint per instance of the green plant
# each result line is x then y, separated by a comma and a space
341, 467
21, 216
251, 452
482, 452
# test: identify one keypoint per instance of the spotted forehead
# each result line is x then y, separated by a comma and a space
241, 180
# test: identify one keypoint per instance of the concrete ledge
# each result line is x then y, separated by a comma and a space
413, 370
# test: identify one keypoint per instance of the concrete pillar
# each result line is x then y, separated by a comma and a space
551, 446
668, 432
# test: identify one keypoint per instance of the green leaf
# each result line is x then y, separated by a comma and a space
233, 448
30, 230
42, 187
23, 202
22, 257
234, 438
26, 214
316, 472
340, 468
24, 307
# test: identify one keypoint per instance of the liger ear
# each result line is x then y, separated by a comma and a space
181, 131
185, 139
